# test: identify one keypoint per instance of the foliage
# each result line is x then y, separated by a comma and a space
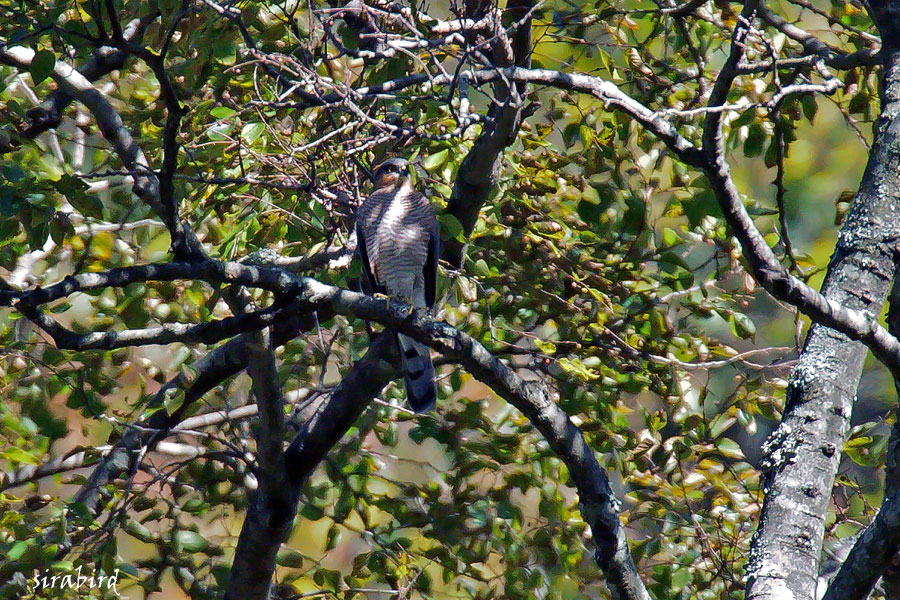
600, 263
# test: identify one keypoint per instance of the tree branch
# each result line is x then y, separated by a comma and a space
599, 505
270, 514
873, 551
891, 576
146, 183
170, 333
477, 175
219, 364
48, 114
813, 45
268, 521
855, 323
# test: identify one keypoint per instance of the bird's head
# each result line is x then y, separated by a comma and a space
393, 172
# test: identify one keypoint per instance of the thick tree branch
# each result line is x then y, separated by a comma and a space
477, 175
891, 576
873, 551
269, 519
269, 399
270, 515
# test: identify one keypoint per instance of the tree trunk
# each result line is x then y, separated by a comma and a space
803, 454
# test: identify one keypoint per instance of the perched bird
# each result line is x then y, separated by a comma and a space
398, 245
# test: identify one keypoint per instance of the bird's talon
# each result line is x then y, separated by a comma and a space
407, 307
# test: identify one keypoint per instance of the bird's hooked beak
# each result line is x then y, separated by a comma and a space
387, 179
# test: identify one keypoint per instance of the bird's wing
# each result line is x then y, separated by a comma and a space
369, 284
431, 262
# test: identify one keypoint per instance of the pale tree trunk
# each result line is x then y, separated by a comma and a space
803, 454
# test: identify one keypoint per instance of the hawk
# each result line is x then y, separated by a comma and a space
398, 245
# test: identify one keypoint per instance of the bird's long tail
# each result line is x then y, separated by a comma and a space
418, 374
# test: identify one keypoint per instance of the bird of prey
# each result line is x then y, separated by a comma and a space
398, 245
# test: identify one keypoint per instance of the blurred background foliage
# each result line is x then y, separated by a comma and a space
599, 264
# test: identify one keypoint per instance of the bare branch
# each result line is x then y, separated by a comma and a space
169, 333
146, 184
48, 114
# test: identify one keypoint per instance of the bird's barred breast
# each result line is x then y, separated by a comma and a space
402, 240
398, 225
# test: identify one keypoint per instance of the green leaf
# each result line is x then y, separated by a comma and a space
587, 136
42, 66
742, 326
220, 132
480, 267
139, 531
328, 578
17, 455
189, 541
433, 161
755, 140
729, 448
721, 424
251, 132
810, 106
289, 558
311, 512
389, 436
18, 549
222, 112
333, 537
671, 238
12, 172
224, 50
88, 205
451, 228
173, 399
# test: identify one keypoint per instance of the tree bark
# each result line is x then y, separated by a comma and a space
804, 452
480, 168
875, 551
891, 578
270, 516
